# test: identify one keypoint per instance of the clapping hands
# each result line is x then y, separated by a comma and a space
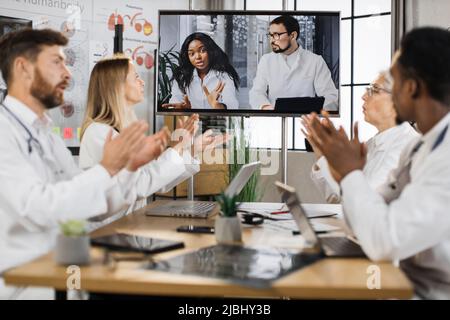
343, 155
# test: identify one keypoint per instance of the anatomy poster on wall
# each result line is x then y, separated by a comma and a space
89, 25
139, 29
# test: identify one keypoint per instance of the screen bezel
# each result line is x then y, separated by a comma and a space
234, 112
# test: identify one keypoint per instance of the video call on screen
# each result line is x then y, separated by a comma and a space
244, 38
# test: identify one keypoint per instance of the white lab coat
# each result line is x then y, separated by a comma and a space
383, 153
197, 96
409, 218
39, 190
308, 77
161, 175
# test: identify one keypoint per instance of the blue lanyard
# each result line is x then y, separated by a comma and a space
440, 138
31, 139
394, 185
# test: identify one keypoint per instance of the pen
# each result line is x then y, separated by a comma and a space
280, 212
296, 233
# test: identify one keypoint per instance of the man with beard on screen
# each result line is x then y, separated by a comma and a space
41, 185
290, 70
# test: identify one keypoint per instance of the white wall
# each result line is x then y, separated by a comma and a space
430, 13
299, 169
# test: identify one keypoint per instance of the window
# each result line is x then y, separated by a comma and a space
365, 51
264, 5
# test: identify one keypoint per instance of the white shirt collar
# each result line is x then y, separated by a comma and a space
293, 55
386, 136
196, 76
431, 136
293, 59
26, 115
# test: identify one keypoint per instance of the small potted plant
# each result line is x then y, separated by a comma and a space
228, 228
73, 244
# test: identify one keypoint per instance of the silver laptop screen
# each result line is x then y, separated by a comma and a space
290, 197
241, 179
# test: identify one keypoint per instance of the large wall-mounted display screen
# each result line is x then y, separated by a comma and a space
248, 62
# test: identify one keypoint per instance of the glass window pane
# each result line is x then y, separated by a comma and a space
345, 51
345, 107
291, 5
261, 137
363, 7
372, 47
326, 5
290, 130
264, 5
366, 130
343, 120
264, 132
299, 137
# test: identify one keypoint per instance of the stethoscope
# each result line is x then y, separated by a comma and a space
57, 170
31, 139
254, 218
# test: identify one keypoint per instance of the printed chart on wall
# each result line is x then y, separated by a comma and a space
72, 18
139, 20
139, 36
89, 25
69, 116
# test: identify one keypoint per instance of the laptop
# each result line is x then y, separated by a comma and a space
203, 209
299, 104
329, 246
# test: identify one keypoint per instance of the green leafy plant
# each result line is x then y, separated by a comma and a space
242, 151
168, 62
73, 228
228, 205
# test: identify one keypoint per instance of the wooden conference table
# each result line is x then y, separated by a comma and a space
330, 278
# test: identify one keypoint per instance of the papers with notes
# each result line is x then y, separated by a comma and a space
288, 226
262, 206
312, 210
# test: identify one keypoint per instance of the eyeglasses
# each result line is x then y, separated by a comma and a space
275, 35
372, 90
